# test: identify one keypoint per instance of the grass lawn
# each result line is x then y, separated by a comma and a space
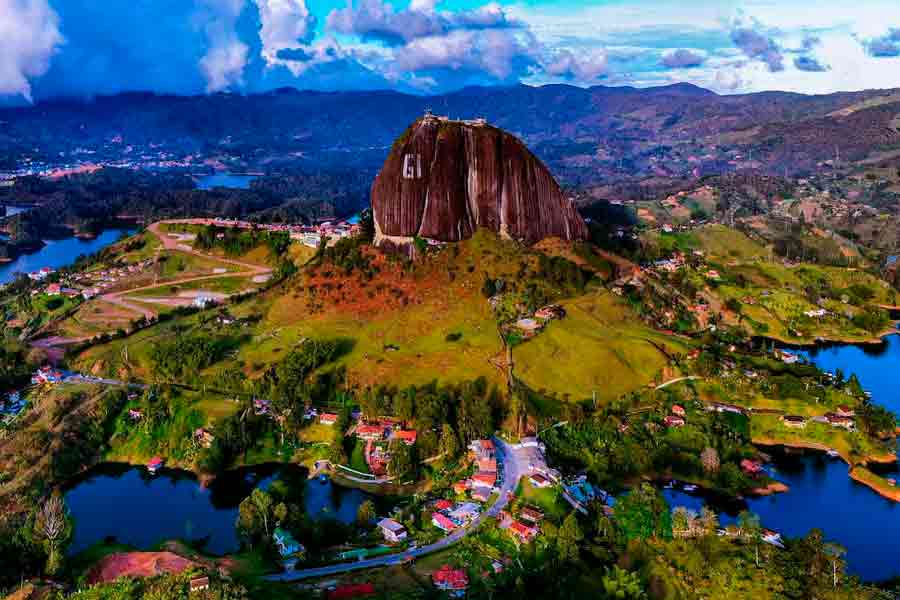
548, 500
599, 347
358, 457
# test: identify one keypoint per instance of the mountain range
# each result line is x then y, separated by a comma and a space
597, 136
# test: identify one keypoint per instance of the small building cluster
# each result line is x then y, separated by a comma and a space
676, 418
449, 516
453, 581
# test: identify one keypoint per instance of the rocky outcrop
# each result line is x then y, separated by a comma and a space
443, 179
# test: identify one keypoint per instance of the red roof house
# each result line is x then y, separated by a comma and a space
443, 522
328, 418
453, 580
488, 478
407, 436
523, 532
370, 432
443, 504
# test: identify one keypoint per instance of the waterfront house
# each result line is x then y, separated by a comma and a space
751, 467
198, 584
442, 522
154, 465
794, 421
287, 546
453, 581
836, 420
392, 531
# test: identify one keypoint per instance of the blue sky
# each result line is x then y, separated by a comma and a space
84, 47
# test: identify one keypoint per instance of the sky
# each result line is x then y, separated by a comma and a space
82, 48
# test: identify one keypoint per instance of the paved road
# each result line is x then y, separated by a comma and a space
674, 381
515, 465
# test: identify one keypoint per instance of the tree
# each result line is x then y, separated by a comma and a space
569, 538
709, 458
403, 462
365, 513
619, 584
263, 503
53, 524
751, 529
449, 442
835, 552
643, 513
281, 513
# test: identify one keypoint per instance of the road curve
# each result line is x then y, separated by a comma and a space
513, 471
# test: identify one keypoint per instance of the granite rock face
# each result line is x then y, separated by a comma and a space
443, 179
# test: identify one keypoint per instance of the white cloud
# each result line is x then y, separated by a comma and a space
29, 36
226, 55
285, 24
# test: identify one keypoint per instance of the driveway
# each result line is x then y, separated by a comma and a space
515, 465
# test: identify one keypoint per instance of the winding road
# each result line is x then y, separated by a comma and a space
176, 245
515, 465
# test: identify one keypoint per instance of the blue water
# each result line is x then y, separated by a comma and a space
125, 503
822, 496
58, 253
226, 180
873, 364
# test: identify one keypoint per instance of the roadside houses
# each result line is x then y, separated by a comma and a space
392, 531
443, 522
453, 581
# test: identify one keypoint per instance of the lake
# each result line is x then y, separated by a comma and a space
59, 253
226, 180
124, 502
822, 494
873, 364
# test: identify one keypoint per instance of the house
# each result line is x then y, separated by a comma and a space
204, 437
678, 410
392, 531
673, 421
443, 504
370, 432
487, 464
465, 512
794, 421
845, 411
751, 467
486, 478
539, 481
481, 493
529, 326
550, 312
407, 436
286, 544
54, 289
531, 514
328, 418
198, 584
523, 533
460, 487
135, 414
788, 358
836, 420
712, 274
442, 522
454, 581
483, 448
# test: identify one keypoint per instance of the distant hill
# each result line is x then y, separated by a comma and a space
587, 136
